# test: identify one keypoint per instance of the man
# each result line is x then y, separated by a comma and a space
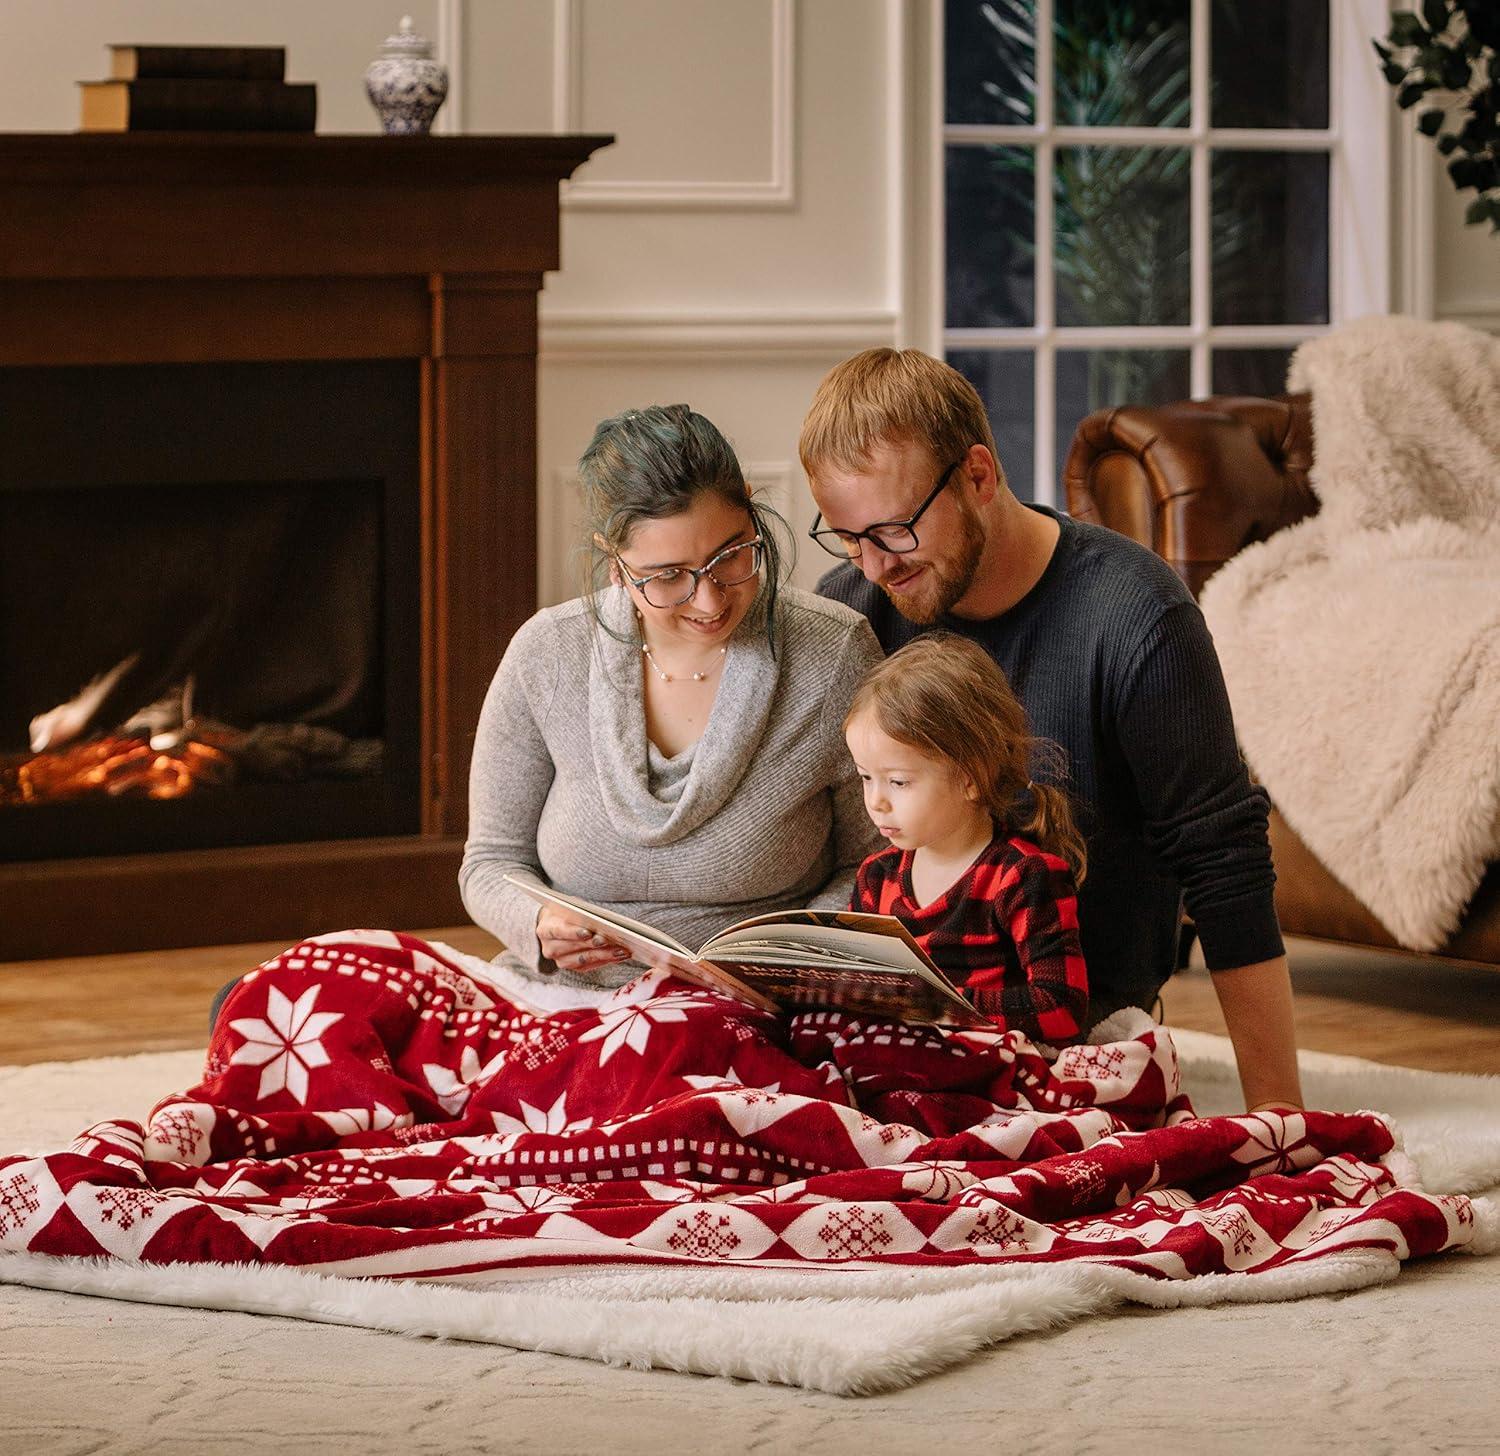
1112, 660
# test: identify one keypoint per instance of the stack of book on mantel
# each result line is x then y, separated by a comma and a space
198, 88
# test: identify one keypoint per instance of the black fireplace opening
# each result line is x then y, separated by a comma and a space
209, 606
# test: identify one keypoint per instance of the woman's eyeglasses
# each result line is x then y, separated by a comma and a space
679, 584
896, 537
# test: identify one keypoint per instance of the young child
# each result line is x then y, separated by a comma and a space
984, 864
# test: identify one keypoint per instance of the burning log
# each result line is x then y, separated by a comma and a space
164, 751
68, 721
114, 766
288, 752
167, 723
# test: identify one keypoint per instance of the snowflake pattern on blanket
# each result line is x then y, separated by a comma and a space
369, 1108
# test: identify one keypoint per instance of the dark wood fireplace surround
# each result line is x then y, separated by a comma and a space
182, 249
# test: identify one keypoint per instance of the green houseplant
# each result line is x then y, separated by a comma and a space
1451, 53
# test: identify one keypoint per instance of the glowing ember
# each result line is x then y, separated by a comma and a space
114, 766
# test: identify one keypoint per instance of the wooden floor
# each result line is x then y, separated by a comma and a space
1399, 1009
146, 1001
1410, 1011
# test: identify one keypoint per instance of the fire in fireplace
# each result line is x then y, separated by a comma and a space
114, 765
208, 603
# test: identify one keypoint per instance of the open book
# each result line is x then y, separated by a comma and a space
867, 964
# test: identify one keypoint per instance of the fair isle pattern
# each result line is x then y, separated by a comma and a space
420, 1125
1006, 931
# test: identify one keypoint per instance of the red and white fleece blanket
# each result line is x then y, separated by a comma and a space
374, 1107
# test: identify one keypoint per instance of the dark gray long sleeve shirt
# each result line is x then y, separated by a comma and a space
1113, 662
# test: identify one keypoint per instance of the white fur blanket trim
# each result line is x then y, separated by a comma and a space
1361, 648
880, 1335
849, 1332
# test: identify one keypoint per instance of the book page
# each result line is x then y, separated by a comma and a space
651, 943
881, 939
650, 946
885, 993
877, 950
866, 964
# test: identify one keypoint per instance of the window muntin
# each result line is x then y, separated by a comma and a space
1169, 214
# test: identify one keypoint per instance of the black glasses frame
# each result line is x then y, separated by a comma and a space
757, 545
823, 535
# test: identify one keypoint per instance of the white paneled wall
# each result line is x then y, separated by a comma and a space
50, 44
735, 242
1465, 264
761, 217
1448, 270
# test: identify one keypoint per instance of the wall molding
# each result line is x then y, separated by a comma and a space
897, 168
557, 520
695, 195
450, 51
1418, 223
567, 66
1362, 266
772, 479
1422, 175
1479, 314
559, 515
722, 336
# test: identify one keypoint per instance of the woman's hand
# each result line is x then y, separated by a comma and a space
571, 946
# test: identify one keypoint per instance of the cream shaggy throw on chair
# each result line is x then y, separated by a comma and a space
1361, 647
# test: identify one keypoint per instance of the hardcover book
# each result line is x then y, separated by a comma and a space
193, 62
181, 104
793, 961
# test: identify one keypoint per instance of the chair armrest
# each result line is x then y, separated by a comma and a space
1195, 481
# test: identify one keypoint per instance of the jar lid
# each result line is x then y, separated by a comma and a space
406, 42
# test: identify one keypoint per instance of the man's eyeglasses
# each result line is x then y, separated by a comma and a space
679, 584
896, 537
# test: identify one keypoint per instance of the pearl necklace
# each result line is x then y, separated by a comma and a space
667, 677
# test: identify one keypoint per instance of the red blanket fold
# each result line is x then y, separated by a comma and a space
370, 1107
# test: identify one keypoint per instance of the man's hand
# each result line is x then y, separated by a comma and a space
1257, 1005
571, 946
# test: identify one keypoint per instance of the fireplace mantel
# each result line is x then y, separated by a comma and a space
223, 248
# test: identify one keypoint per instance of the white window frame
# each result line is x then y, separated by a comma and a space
1357, 141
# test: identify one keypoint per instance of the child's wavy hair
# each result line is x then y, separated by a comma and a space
944, 696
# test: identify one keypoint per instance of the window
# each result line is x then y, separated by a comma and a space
1151, 199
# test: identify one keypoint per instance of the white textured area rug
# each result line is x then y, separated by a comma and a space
1400, 1364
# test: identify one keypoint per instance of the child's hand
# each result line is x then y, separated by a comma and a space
571, 946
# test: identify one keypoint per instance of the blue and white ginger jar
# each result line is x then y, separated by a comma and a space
404, 84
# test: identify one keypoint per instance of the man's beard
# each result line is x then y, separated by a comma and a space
947, 580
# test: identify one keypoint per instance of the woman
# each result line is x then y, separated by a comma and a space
670, 745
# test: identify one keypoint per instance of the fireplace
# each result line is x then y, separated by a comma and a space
230, 552
267, 410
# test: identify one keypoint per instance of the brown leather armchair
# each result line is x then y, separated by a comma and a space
1196, 482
